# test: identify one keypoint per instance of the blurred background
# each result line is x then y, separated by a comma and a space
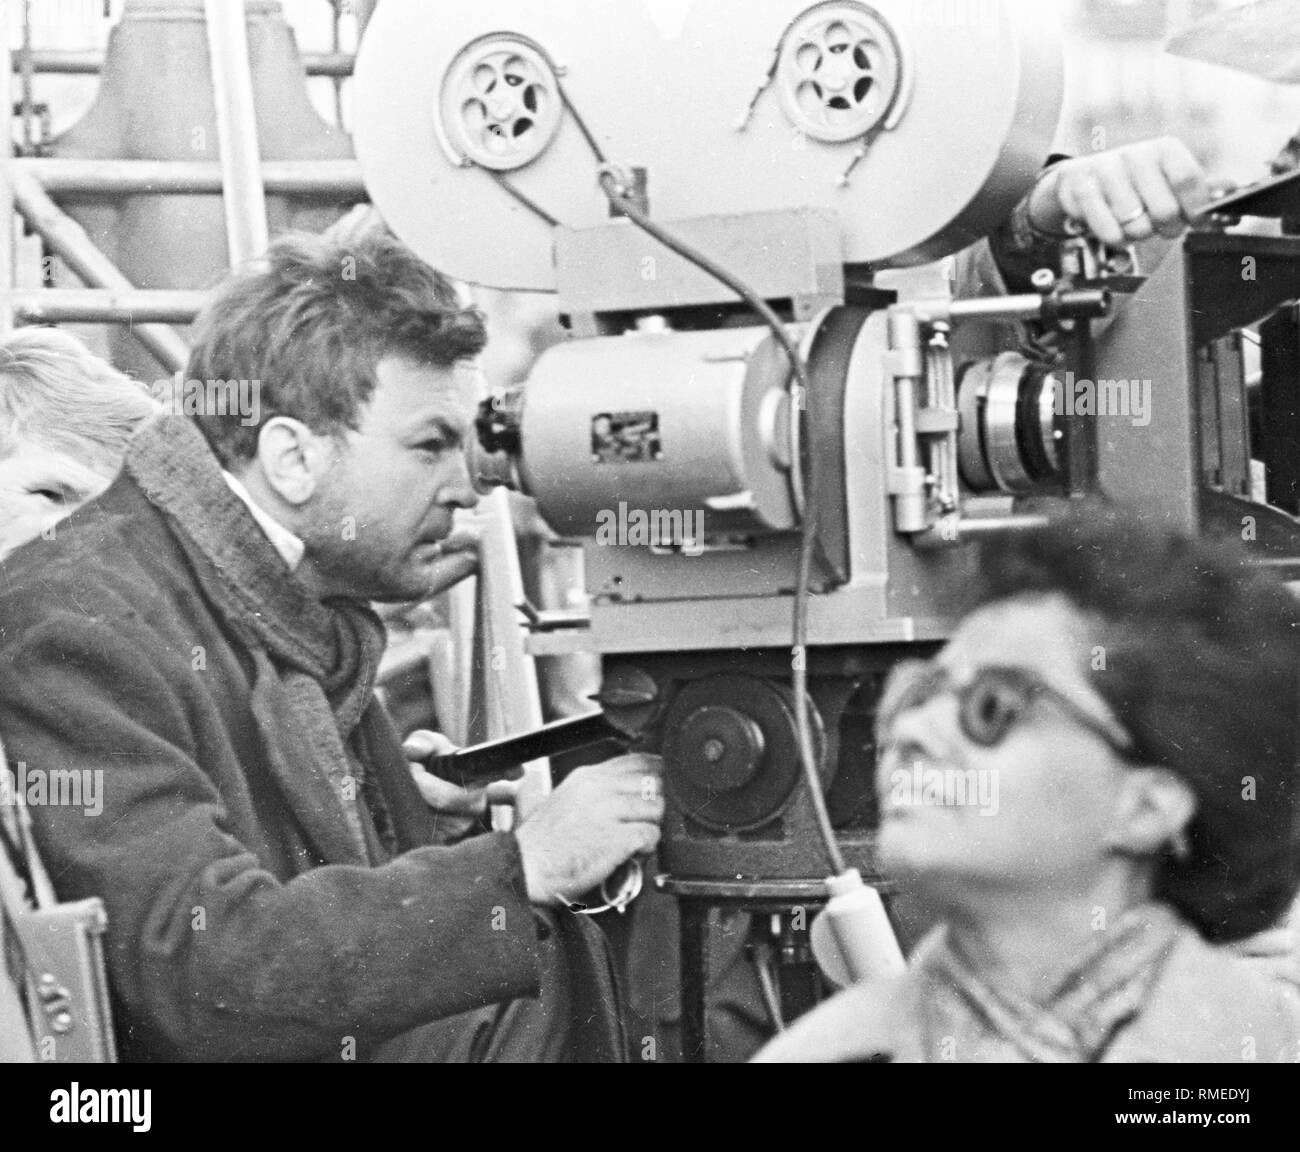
1121, 86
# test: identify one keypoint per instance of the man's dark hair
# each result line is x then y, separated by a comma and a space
311, 322
1202, 666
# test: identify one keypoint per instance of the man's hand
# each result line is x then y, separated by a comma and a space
459, 809
600, 816
1124, 195
457, 559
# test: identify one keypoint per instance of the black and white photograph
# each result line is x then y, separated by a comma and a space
650, 532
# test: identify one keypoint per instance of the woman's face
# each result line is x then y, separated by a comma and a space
1034, 810
38, 488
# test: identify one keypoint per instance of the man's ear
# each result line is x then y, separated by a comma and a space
1155, 807
292, 458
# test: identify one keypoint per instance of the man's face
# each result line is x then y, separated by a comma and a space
38, 488
391, 494
1036, 808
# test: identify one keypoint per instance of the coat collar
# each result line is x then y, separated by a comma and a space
315, 663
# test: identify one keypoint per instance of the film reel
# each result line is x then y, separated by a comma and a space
841, 72
501, 104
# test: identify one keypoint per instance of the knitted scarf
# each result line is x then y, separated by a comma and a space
324, 654
1081, 1009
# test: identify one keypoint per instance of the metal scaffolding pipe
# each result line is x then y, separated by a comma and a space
325, 178
68, 240
247, 234
142, 307
7, 252
6, 165
25, 68
511, 696
45, 61
365, 9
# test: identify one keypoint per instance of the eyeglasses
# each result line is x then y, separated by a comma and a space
991, 704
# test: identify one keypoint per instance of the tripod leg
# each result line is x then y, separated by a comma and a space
760, 955
695, 974
796, 970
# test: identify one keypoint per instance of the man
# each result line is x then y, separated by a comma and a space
197, 645
1129, 697
65, 419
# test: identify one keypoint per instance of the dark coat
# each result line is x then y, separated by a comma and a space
240, 925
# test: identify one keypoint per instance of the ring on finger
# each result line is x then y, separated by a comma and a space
1133, 219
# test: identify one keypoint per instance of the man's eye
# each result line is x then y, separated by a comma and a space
432, 447
53, 495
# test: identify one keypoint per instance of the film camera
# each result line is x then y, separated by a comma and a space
779, 423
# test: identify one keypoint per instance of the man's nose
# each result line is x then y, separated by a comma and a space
459, 491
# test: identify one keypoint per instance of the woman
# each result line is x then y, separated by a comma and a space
1108, 747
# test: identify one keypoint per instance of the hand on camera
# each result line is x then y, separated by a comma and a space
599, 817
1123, 195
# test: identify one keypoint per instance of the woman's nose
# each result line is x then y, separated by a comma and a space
928, 726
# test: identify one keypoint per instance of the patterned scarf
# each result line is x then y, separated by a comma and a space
325, 654
1082, 1008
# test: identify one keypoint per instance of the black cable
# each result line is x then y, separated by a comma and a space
808, 534
618, 196
531, 205
587, 133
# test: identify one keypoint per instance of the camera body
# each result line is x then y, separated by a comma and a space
843, 160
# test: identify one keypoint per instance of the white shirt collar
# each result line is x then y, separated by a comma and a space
285, 542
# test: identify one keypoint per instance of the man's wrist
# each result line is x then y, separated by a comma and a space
1021, 245
535, 890
1045, 190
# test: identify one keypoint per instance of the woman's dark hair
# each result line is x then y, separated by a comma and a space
1202, 665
